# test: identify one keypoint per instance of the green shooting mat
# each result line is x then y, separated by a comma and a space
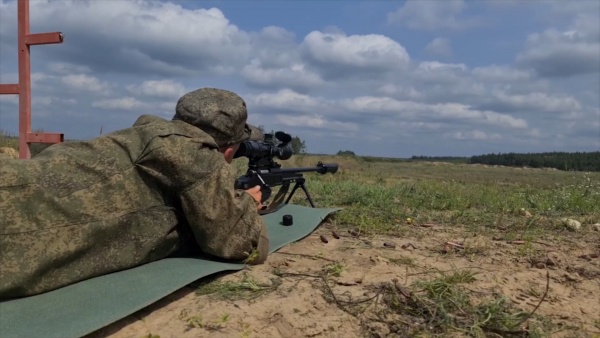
84, 307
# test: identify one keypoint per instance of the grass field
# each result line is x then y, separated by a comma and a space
379, 195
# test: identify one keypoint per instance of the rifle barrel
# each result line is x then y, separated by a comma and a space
320, 168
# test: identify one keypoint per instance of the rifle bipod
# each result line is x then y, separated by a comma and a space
277, 202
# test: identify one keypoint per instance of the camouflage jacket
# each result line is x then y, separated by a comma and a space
83, 209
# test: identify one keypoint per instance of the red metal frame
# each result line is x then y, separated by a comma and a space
23, 88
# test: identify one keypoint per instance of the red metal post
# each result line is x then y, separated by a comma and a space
24, 79
23, 88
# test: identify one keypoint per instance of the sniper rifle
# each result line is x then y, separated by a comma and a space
265, 172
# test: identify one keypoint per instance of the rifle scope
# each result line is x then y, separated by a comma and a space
266, 149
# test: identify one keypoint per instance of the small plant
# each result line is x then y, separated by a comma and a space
246, 288
225, 318
197, 321
403, 260
442, 305
335, 269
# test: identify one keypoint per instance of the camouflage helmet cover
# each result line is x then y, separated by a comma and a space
220, 113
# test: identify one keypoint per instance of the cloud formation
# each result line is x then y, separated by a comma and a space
439, 47
432, 15
352, 87
573, 50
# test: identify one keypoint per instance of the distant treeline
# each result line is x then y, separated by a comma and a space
577, 161
568, 161
382, 159
451, 159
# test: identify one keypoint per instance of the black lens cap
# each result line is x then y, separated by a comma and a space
287, 220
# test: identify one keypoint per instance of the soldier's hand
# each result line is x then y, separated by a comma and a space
256, 194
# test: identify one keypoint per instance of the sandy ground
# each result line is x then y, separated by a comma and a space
297, 303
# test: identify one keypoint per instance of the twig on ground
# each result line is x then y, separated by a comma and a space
452, 270
305, 255
541, 300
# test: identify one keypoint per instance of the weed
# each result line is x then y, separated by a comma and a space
247, 288
225, 318
403, 260
197, 321
335, 269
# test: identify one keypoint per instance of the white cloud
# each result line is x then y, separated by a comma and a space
159, 88
63, 68
439, 72
371, 51
277, 62
137, 36
285, 99
413, 110
275, 47
315, 121
83, 82
476, 135
432, 66
571, 51
295, 76
366, 108
439, 46
539, 102
432, 15
400, 92
124, 103
553, 53
495, 73
51, 100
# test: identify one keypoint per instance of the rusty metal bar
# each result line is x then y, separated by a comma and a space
44, 38
9, 89
45, 138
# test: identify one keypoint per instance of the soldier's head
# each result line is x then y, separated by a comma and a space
220, 113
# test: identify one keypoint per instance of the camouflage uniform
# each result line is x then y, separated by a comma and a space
83, 209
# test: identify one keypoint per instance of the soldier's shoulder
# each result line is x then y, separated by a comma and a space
163, 126
148, 119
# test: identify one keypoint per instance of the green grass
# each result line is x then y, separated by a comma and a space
378, 196
246, 288
8, 140
443, 306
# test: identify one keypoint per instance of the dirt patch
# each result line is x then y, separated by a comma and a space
373, 286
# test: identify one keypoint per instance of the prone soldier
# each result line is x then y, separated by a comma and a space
159, 188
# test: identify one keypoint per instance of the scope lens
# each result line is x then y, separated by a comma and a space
285, 152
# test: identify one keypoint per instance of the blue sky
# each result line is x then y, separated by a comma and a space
381, 78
